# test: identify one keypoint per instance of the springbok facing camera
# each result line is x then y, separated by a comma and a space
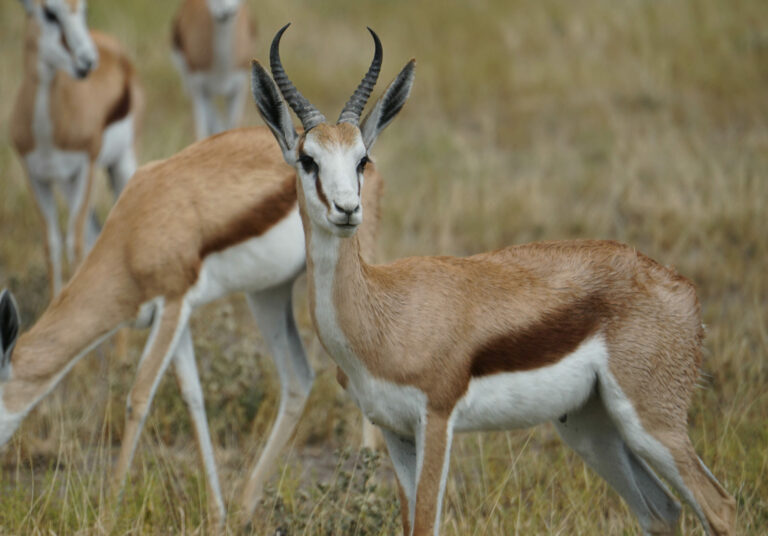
234, 227
76, 106
211, 49
591, 335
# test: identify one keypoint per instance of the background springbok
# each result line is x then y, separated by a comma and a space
219, 217
211, 47
591, 335
77, 106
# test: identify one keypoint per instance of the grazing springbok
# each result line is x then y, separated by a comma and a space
591, 335
219, 217
211, 49
77, 106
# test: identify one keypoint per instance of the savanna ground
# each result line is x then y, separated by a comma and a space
640, 121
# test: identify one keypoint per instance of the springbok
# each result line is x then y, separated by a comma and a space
219, 217
78, 101
211, 44
591, 335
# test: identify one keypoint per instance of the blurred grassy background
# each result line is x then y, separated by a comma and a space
638, 120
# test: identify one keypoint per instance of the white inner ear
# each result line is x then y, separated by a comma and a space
369, 129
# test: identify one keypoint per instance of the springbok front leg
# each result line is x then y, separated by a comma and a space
236, 102
273, 310
433, 454
171, 317
189, 382
81, 234
402, 452
46, 203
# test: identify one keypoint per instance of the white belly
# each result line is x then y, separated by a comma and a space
400, 408
53, 165
116, 140
216, 82
523, 399
275, 257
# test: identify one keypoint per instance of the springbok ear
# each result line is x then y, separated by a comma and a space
274, 111
9, 327
388, 106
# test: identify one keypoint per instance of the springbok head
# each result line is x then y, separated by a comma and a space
330, 159
64, 40
9, 333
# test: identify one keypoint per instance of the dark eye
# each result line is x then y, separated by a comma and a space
361, 165
50, 16
309, 165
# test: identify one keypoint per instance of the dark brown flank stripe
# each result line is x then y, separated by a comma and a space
176, 36
256, 220
546, 342
122, 106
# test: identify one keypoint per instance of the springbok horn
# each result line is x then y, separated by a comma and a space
308, 114
356, 103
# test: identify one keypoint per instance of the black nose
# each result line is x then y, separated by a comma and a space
346, 211
85, 68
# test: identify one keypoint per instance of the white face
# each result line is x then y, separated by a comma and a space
223, 10
65, 42
331, 166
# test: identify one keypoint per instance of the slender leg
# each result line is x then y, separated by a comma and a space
433, 452
671, 453
78, 192
273, 311
200, 104
170, 321
121, 171
46, 201
235, 103
212, 116
662, 439
189, 383
591, 433
402, 452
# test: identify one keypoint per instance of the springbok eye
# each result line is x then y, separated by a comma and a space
50, 16
361, 165
309, 165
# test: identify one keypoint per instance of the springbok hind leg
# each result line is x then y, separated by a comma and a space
189, 383
171, 317
273, 311
591, 433
671, 453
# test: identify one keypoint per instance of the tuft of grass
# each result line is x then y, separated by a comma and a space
640, 121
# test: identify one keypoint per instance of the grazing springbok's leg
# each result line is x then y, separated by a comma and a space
189, 384
273, 310
591, 433
170, 321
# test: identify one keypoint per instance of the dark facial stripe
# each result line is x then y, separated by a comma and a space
543, 343
320, 192
255, 221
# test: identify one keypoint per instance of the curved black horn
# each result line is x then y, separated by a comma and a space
308, 114
356, 103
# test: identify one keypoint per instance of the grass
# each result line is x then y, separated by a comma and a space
641, 121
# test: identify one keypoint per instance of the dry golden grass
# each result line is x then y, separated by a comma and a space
641, 121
